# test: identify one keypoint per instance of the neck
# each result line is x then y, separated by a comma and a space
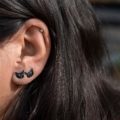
4, 103
8, 91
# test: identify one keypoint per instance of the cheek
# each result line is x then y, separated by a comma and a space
8, 57
6, 91
5, 69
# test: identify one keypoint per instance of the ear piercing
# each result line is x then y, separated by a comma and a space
41, 30
22, 74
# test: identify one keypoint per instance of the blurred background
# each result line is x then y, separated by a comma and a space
108, 11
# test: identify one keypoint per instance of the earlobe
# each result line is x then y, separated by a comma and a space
22, 74
35, 53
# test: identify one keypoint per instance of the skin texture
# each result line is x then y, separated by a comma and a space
26, 49
7, 60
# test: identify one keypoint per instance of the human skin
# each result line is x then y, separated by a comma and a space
26, 49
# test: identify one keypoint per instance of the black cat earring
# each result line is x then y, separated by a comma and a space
22, 74
29, 74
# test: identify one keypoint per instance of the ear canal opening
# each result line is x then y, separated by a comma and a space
28, 50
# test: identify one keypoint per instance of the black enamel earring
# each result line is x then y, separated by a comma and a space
29, 74
20, 75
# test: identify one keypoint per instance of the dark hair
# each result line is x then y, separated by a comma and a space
72, 85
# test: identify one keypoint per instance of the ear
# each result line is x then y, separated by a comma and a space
34, 39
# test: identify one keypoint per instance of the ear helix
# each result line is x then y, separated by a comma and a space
22, 74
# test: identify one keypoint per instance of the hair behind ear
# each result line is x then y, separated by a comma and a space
71, 86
